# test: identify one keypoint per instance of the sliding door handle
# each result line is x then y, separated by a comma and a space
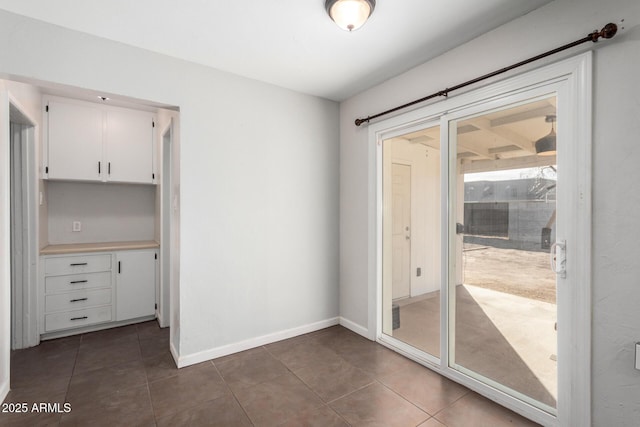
558, 258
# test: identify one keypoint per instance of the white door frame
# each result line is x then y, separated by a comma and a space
25, 322
166, 221
5, 246
570, 79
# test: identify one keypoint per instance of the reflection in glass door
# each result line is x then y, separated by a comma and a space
502, 291
411, 239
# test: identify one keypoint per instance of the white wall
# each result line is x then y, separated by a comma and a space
616, 291
259, 181
107, 212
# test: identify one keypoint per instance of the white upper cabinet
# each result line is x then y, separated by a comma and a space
75, 141
93, 142
129, 146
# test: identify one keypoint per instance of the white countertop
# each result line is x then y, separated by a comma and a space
98, 247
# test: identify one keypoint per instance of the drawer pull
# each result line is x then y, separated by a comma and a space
79, 318
78, 281
78, 299
77, 264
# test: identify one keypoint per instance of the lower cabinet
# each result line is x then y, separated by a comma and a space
86, 289
135, 284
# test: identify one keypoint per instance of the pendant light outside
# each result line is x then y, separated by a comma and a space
546, 146
350, 14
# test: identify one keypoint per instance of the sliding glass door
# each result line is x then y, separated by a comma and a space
483, 237
501, 203
504, 183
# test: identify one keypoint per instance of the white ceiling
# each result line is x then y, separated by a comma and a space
289, 43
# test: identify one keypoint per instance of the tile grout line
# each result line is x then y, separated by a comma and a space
194, 405
352, 392
232, 393
289, 370
75, 361
153, 411
451, 404
405, 399
328, 404
319, 397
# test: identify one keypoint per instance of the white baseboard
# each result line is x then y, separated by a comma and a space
202, 356
174, 353
4, 390
352, 326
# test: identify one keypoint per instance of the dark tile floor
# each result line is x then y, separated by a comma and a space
126, 377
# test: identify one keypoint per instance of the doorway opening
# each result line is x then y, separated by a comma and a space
30, 214
27, 363
501, 292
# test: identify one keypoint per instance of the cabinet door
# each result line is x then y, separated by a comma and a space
74, 141
129, 146
135, 284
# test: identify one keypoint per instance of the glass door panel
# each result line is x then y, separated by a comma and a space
411, 243
502, 291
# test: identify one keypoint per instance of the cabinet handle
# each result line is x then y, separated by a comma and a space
77, 264
78, 299
79, 318
78, 281
119, 269
109, 171
98, 168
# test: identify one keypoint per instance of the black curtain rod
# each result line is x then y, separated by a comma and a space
607, 32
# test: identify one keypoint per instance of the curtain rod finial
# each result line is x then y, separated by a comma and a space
609, 30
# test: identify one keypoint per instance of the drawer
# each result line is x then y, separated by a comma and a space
77, 264
77, 300
76, 282
77, 318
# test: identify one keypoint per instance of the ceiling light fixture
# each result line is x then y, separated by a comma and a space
350, 14
546, 146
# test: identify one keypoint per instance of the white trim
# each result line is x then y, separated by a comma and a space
4, 390
202, 356
354, 327
174, 353
166, 219
571, 80
577, 284
29, 310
